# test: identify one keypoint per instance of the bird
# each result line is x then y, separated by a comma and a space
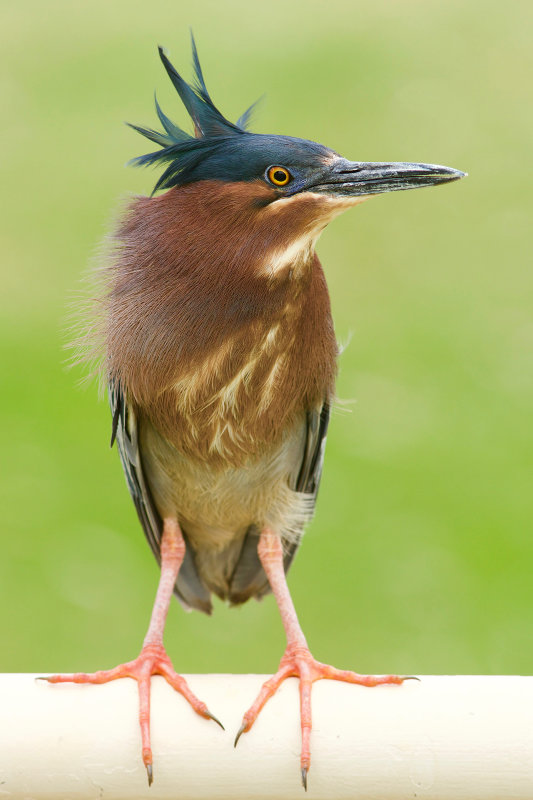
215, 333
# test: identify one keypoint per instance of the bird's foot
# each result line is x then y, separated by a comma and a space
297, 662
152, 660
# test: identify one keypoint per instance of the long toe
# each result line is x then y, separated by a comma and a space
298, 662
152, 660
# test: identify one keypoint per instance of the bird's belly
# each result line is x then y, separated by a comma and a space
216, 504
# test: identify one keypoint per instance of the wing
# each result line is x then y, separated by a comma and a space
249, 579
189, 589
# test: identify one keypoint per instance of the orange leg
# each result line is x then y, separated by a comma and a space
152, 659
297, 661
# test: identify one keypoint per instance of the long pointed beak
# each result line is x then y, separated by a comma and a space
344, 178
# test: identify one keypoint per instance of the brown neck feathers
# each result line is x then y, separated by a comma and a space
218, 321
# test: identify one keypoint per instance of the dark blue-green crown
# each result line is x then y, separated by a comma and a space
181, 151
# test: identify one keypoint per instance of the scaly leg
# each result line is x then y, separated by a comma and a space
153, 659
297, 661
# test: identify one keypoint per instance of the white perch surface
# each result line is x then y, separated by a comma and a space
445, 738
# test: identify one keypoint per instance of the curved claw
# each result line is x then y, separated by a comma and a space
239, 734
212, 716
304, 777
411, 678
150, 773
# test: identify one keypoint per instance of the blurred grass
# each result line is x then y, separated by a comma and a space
420, 556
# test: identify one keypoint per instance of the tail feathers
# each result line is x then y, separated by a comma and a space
248, 578
190, 590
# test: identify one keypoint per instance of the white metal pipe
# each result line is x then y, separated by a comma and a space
445, 738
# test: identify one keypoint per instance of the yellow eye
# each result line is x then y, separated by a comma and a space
279, 176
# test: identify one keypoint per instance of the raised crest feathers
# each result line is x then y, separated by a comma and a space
182, 151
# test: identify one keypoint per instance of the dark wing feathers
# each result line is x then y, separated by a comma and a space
311, 470
125, 435
249, 579
189, 589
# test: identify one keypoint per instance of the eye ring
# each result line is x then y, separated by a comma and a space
278, 176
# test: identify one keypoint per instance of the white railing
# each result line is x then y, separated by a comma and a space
443, 738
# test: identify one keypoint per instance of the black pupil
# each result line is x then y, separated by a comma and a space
280, 176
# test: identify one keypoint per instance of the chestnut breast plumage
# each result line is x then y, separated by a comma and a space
219, 336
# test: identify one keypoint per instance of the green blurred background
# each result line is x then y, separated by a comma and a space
420, 557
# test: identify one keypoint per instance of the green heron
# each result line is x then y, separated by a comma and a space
220, 356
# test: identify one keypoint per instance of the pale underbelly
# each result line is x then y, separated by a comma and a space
215, 504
